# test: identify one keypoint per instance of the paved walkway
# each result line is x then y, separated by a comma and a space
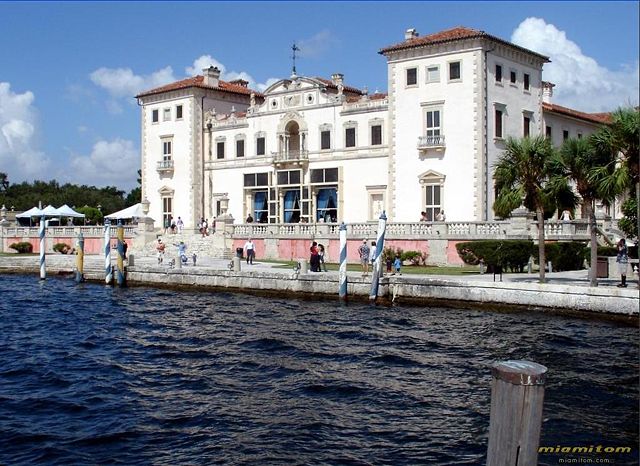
579, 278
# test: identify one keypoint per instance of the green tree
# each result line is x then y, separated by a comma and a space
621, 139
578, 161
522, 175
4, 182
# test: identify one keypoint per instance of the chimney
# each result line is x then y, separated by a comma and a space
547, 91
410, 34
211, 76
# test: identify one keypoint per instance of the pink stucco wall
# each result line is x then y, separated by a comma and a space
91, 245
290, 249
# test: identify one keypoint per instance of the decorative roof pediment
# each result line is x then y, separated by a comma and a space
431, 175
295, 85
166, 191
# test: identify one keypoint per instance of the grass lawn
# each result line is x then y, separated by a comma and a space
422, 270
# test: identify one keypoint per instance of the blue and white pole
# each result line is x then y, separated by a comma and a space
80, 259
377, 265
342, 274
108, 274
120, 261
43, 272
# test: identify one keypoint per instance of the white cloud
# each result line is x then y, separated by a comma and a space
202, 62
581, 83
122, 82
205, 61
113, 163
19, 155
317, 45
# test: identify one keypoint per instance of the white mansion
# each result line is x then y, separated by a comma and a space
316, 150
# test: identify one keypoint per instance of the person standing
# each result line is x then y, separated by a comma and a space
250, 251
363, 252
314, 260
623, 260
441, 217
372, 254
180, 224
249, 219
160, 247
321, 258
397, 263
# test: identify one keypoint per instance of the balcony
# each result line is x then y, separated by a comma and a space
165, 166
296, 157
427, 143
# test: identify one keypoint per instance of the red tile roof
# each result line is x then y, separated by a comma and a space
452, 35
198, 81
376, 96
332, 85
600, 118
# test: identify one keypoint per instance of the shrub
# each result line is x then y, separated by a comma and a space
23, 247
565, 256
62, 248
415, 257
511, 254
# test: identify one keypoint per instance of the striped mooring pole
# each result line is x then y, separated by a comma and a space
377, 265
80, 259
120, 273
342, 274
43, 271
108, 274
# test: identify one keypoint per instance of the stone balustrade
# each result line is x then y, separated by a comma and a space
63, 231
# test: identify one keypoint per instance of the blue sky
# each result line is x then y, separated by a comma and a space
69, 70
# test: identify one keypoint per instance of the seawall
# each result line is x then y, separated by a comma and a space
415, 289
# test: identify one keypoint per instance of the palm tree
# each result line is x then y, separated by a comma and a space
620, 139
578, 161
521, 176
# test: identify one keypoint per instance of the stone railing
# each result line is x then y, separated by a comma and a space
503, 229
365, 105
425, 142
291, 156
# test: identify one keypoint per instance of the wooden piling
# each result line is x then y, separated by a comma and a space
80, 258
517, 393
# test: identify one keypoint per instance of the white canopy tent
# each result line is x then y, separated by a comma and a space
32, 212
135, 211
66, 211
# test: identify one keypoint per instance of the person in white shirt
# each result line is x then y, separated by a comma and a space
180, 225
441, 217
249, 247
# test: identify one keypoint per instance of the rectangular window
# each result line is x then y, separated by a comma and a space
376, 135
350, 137
179, 112
166, 114
548, 132
154, 116
220, 150
240, 148
433, 126
432, 201
412, 76
256, 179
526, 126
260, 146
498, 123
288, 177
455, 71
565, 135
167, 150
325, 139
514, 77
167, 212
324, 175
498, 73
433, 74
526, 82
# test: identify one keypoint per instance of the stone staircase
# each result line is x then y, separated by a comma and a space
207, 246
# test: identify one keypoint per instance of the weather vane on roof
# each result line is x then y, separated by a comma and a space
295, 49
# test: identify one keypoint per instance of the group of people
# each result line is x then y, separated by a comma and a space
171, 225
368, 256
440, 217
316, 260
182, 252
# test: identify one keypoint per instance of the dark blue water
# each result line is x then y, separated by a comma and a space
94, 375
